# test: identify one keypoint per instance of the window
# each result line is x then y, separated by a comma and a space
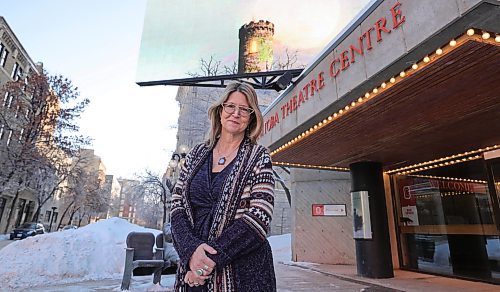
9, 102
447, 221
26, 82
47, 215
9, 138
3, 55
19, 74
21, 135
14, 71
5, 98
17, 111
1, 131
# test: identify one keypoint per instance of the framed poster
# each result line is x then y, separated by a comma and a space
361, 215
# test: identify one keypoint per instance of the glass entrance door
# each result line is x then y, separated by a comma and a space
447, 220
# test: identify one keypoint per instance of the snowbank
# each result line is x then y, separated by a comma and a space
93, 252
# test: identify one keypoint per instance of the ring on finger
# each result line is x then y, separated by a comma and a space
205, 267
199, 272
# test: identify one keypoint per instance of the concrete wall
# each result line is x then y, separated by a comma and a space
282, 216
321, 239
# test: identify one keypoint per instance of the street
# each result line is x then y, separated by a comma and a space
4, 243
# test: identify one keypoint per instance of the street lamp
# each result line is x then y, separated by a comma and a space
176, 163
172, 173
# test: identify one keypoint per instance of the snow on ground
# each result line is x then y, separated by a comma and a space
4, 236
280, 244
93, 252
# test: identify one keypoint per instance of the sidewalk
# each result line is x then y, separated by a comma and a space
402, 281
299, 276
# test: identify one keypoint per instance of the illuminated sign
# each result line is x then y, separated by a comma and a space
340, 64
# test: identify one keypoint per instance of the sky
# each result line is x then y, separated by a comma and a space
97, 45
92, 252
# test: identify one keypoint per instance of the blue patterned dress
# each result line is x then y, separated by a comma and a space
204, 192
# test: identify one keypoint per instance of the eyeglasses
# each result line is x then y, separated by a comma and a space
230, 108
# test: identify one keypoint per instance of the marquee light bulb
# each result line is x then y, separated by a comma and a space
470, 32
453, 43
414, 66
427, 59
485, 36
383, 85
375, 90
439, 51
497, 39
402, 74
392, 80
360, 99
367, 95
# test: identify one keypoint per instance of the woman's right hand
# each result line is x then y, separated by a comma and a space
200, 261
194, 280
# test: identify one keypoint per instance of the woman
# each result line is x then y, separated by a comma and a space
223, 202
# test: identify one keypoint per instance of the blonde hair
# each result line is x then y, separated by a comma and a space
254, 127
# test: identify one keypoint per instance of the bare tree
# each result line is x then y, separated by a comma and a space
85, 196
288, 60
154, 191
41, 119
74, 190
231, 69
208, 67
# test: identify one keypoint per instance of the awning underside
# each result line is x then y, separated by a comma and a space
448, 107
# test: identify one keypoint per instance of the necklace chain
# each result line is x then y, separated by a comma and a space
222, 158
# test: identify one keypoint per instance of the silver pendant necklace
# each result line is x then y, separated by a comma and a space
222, 159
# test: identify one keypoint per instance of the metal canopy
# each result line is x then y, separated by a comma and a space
259, 80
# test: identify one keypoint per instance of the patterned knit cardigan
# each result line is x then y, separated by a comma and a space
241, 220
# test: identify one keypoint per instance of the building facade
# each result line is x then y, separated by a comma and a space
19, 206
128, 198
112, 189
393, 134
